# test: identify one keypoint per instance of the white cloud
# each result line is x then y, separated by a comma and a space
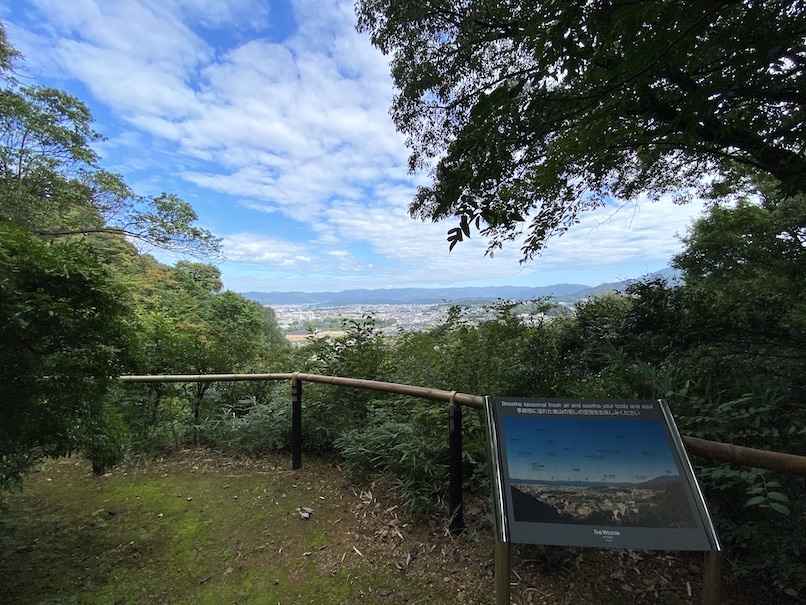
642, 234
253, 248
642, 231
251, 14
292, 126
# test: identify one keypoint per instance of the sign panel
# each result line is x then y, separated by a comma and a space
593, 472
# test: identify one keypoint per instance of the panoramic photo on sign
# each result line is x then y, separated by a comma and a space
592, 472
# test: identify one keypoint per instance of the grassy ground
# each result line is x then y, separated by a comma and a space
196, 527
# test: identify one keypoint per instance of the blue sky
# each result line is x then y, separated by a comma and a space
271, 119
565, 449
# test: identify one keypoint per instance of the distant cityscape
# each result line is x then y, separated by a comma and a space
658, 504
392, 317
413, 309
297, 321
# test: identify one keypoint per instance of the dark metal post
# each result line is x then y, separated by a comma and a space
712, 578
502, 572
455, 466
296, 423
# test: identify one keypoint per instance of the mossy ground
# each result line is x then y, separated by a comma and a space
201, 528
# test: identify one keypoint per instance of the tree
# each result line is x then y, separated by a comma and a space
64, 334
538, 111
8, 54
186, 325
743, 323
745, 293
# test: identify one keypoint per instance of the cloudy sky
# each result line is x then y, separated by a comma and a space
271, 118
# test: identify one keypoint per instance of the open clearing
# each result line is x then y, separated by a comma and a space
198, 527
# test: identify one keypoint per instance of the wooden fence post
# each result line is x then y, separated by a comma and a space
455, 465
296, 422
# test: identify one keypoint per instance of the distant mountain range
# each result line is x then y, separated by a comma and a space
424, 296
661, 482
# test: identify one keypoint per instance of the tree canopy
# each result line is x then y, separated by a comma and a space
745, 279
533, 112
64, 336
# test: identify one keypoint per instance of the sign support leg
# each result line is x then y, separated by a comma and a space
712, 578
502, 572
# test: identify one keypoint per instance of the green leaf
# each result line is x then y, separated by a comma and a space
780, 508
778, 496
755, 501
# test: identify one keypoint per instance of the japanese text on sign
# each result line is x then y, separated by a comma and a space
576, 408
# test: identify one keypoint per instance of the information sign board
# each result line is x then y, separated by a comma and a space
593, 472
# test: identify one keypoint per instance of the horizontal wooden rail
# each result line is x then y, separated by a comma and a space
746, 456
714, 450
473, 401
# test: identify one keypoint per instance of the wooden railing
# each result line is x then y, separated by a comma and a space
714, 450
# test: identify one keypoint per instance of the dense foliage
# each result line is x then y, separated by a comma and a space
64, 334
187, 325
534, 112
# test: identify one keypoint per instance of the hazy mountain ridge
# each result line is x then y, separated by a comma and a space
423, 296
659, 482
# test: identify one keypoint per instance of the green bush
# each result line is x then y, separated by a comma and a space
264, 428
410, 452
